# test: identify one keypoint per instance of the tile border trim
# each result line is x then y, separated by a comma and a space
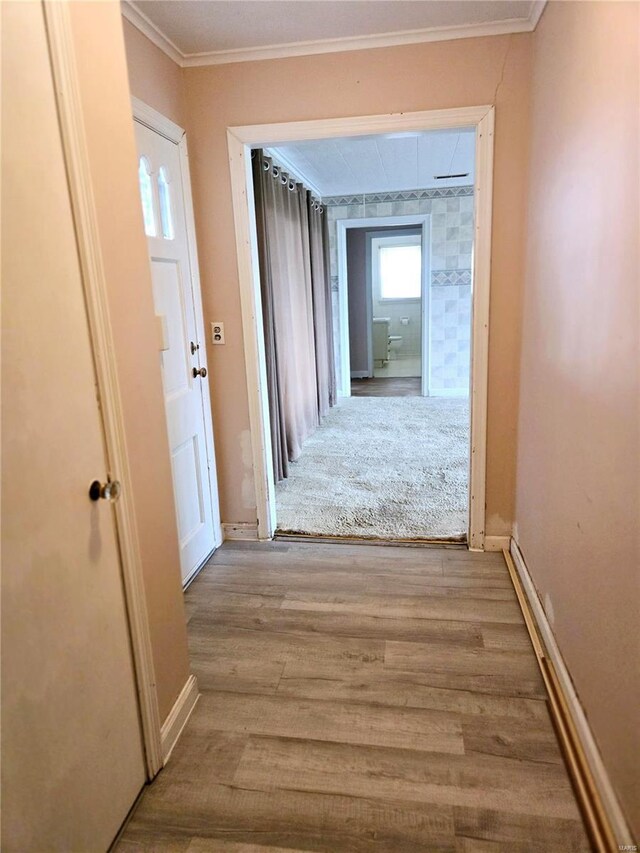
444, 278
399, 195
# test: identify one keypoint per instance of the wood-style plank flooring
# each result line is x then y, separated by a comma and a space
397, 386
360, 698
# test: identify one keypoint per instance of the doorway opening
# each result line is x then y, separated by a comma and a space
392, 462
387, 261
442, 415
396, 290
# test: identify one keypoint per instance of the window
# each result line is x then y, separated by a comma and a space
146, 195
400, 271
165, 204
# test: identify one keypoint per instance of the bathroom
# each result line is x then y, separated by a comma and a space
396, 295
407, 278
386, 274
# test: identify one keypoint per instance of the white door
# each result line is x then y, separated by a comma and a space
176, 292
72, 750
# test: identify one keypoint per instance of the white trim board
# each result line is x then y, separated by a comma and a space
496, 543
600, 776
449, 392
154, 120
268, 135
332, 45
240, 142
153, 33
240, 531
178, 717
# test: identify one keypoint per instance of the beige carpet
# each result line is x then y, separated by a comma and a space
390, 467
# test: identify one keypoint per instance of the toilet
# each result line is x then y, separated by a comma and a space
395, 343
384, 344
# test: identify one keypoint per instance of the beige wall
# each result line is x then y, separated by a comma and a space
578, 513
105, 96
153, 77
415, 77
577, 463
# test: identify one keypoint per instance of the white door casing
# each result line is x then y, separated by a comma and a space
422, 221
177, 300
240, 141
73, 756
424, 240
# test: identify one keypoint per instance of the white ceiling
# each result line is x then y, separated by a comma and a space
366, 164
197, 32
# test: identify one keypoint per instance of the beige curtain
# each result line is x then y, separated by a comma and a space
284, 245
322, 314
274, 390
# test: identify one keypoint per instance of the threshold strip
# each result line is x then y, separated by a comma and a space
456, 544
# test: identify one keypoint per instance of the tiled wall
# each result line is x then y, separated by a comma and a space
450, 337
451, 247
451, 212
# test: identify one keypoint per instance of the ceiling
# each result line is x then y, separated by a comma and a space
202, 32
366, 164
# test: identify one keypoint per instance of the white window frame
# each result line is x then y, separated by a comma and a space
381, 242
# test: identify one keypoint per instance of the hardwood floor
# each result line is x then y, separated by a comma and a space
387, 387
360, 698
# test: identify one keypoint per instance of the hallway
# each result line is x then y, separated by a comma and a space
360, 698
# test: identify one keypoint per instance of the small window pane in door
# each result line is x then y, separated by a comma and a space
400, 272
146, 196
165, 205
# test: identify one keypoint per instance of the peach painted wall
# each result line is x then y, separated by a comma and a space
578, 510
414, 77
102, 67
153, 76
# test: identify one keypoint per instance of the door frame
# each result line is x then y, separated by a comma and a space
159, 123
240, 141
422, 221
65, 76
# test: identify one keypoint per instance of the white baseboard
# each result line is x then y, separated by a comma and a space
600, 776
178, 716
448, 392
496, 543
360, 374
240, 530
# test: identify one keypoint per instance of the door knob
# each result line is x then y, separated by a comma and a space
109, 491
194, 348
202, 372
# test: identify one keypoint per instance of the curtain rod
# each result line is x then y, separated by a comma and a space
288, 175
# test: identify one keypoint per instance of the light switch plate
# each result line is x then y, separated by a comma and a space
217, 333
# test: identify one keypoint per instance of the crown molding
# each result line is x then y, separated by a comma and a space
153, 33
335, 45
535, 12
